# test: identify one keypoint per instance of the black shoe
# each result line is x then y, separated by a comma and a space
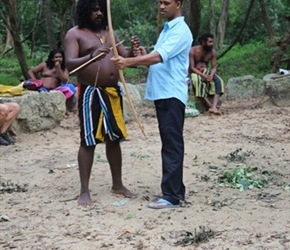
3, 142
7, 138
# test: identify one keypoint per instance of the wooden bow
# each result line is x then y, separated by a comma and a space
115, 51
91, 60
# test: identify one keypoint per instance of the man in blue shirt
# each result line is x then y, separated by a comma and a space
167, 87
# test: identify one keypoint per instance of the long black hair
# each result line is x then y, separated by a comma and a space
204, 37
50, 62
84, 10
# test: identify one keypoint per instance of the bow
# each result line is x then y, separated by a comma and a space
115, 51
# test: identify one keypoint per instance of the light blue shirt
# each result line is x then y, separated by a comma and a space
167, 79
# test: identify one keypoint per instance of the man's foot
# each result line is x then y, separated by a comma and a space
85, 200
161, 203
3, 142
214, 111
8, 138
158, 195
123, 191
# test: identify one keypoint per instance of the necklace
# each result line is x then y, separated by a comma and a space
102, 38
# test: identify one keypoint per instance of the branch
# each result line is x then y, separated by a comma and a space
241, 30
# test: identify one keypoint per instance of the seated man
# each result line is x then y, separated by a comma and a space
8, 113
205, 81
53, 76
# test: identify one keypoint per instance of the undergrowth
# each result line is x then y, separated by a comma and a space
251, 59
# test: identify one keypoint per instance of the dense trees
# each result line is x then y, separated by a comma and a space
39, 25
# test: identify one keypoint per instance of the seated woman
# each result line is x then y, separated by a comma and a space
54, 76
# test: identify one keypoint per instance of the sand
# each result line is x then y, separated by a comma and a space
40, 186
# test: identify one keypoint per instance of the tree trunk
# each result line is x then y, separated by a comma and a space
36, 24
15, 33
212, 22
222, 24
266, 20
241, 30
9, 39
65, 24
159, 23
49, 25
283, 44
195, 7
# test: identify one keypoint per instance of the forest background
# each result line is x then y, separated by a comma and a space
252, 37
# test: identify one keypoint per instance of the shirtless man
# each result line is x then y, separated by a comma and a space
98, 81
200, 57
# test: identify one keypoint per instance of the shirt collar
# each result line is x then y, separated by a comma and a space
174, 21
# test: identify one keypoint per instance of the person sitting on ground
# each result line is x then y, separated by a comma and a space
204, 79
8, 113
54, 76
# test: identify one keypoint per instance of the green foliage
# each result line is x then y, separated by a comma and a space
10, 73
251, 56
145, 31
242, 179
251, 59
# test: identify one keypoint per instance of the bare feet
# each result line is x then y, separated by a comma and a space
214, 111
85, 200
123, 191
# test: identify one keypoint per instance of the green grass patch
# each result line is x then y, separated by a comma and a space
251, 59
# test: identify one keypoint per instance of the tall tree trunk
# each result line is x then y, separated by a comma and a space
159, 23
195, 12
9, 39
65, 24
266, 20
49, 25
212, 22
15, 32
36, 24
222, 24
241, 30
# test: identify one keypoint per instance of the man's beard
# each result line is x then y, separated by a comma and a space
96, 26
207, 48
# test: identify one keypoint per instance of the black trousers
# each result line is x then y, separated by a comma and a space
170, 116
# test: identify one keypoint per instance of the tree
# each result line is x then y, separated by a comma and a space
192, 13
220, 30
49, 25
15, 33
241, 29
266, 19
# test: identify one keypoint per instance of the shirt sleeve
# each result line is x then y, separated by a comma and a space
175, 42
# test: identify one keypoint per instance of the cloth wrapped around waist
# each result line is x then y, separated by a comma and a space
100, 114
111, 120
68, 89
202, 88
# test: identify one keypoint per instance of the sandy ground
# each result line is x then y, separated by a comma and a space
40, 185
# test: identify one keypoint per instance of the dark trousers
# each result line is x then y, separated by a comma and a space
170, 116
217, 84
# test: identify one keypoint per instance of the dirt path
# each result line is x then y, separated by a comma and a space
39, 209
